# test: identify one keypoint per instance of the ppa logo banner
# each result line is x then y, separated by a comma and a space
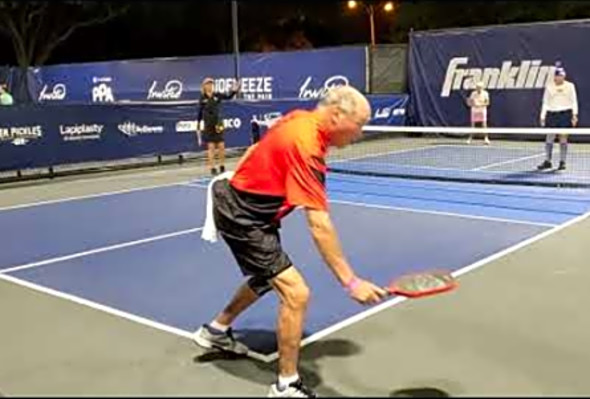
264, 76
102, 91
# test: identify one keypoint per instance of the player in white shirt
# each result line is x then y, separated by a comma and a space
478, 101
559, 109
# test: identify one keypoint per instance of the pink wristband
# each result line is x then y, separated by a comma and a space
353, 283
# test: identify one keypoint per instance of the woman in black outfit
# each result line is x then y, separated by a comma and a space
211, 125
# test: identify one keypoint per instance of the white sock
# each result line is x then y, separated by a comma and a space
285, 381
217, 326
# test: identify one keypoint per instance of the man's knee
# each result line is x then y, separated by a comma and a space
298, 296
292, 288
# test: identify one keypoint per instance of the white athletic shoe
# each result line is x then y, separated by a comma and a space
487, 141
295, 390
207, 337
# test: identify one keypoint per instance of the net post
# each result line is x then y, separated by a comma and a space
236, 42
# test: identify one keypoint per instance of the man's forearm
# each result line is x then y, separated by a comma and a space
326, 240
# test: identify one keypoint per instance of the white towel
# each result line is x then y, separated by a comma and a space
209, 232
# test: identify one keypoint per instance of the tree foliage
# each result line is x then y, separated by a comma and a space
36, 28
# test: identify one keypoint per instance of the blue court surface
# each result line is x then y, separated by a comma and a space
139, 254
514, 162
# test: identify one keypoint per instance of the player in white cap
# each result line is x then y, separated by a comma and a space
558, 110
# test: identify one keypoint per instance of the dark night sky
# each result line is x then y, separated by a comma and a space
185, 28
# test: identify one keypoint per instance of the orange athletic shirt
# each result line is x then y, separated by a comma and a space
287, 164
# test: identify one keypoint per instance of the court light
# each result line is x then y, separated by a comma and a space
352, 4
388, 7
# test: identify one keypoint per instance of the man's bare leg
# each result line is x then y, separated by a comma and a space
242, 300
294, 297
217, 334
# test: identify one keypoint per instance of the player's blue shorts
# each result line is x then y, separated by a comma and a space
559, 118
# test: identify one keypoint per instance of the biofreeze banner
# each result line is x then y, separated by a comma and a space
514, 62
264, 76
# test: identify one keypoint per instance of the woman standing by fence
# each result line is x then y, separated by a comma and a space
210, 125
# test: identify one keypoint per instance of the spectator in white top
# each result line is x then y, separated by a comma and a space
559, 110
479, 100
5, 96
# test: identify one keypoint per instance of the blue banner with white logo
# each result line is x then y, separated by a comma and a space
37, 136
265, 76
388, 110
41, 136
514, 62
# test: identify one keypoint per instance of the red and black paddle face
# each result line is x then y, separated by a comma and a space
423, 284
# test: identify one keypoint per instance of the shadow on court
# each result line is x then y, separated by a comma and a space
422, 392
265, 373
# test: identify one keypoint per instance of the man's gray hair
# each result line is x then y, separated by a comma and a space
346, 98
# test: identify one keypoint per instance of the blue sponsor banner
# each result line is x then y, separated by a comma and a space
36, 136
41, 136
265, 76
515, 62
388, 110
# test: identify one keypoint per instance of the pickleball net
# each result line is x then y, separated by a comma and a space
513, 155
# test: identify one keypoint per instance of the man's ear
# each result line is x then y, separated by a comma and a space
335, 117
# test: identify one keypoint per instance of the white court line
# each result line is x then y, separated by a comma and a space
414, 167
458, 169
125, 174
186, 334
507, 162
130, 190
128, 173
308, 340
94, 305
413, 210
312, 338
99, 250
535, 193
435, 147
397, 300
459, 215
97, 195
115, 312
196, 185
378, 154
488, 147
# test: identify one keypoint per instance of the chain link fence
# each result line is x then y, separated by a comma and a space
387, 64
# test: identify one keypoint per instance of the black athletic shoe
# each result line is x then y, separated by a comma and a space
545, 165
561, 166
213, 172
221, 169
